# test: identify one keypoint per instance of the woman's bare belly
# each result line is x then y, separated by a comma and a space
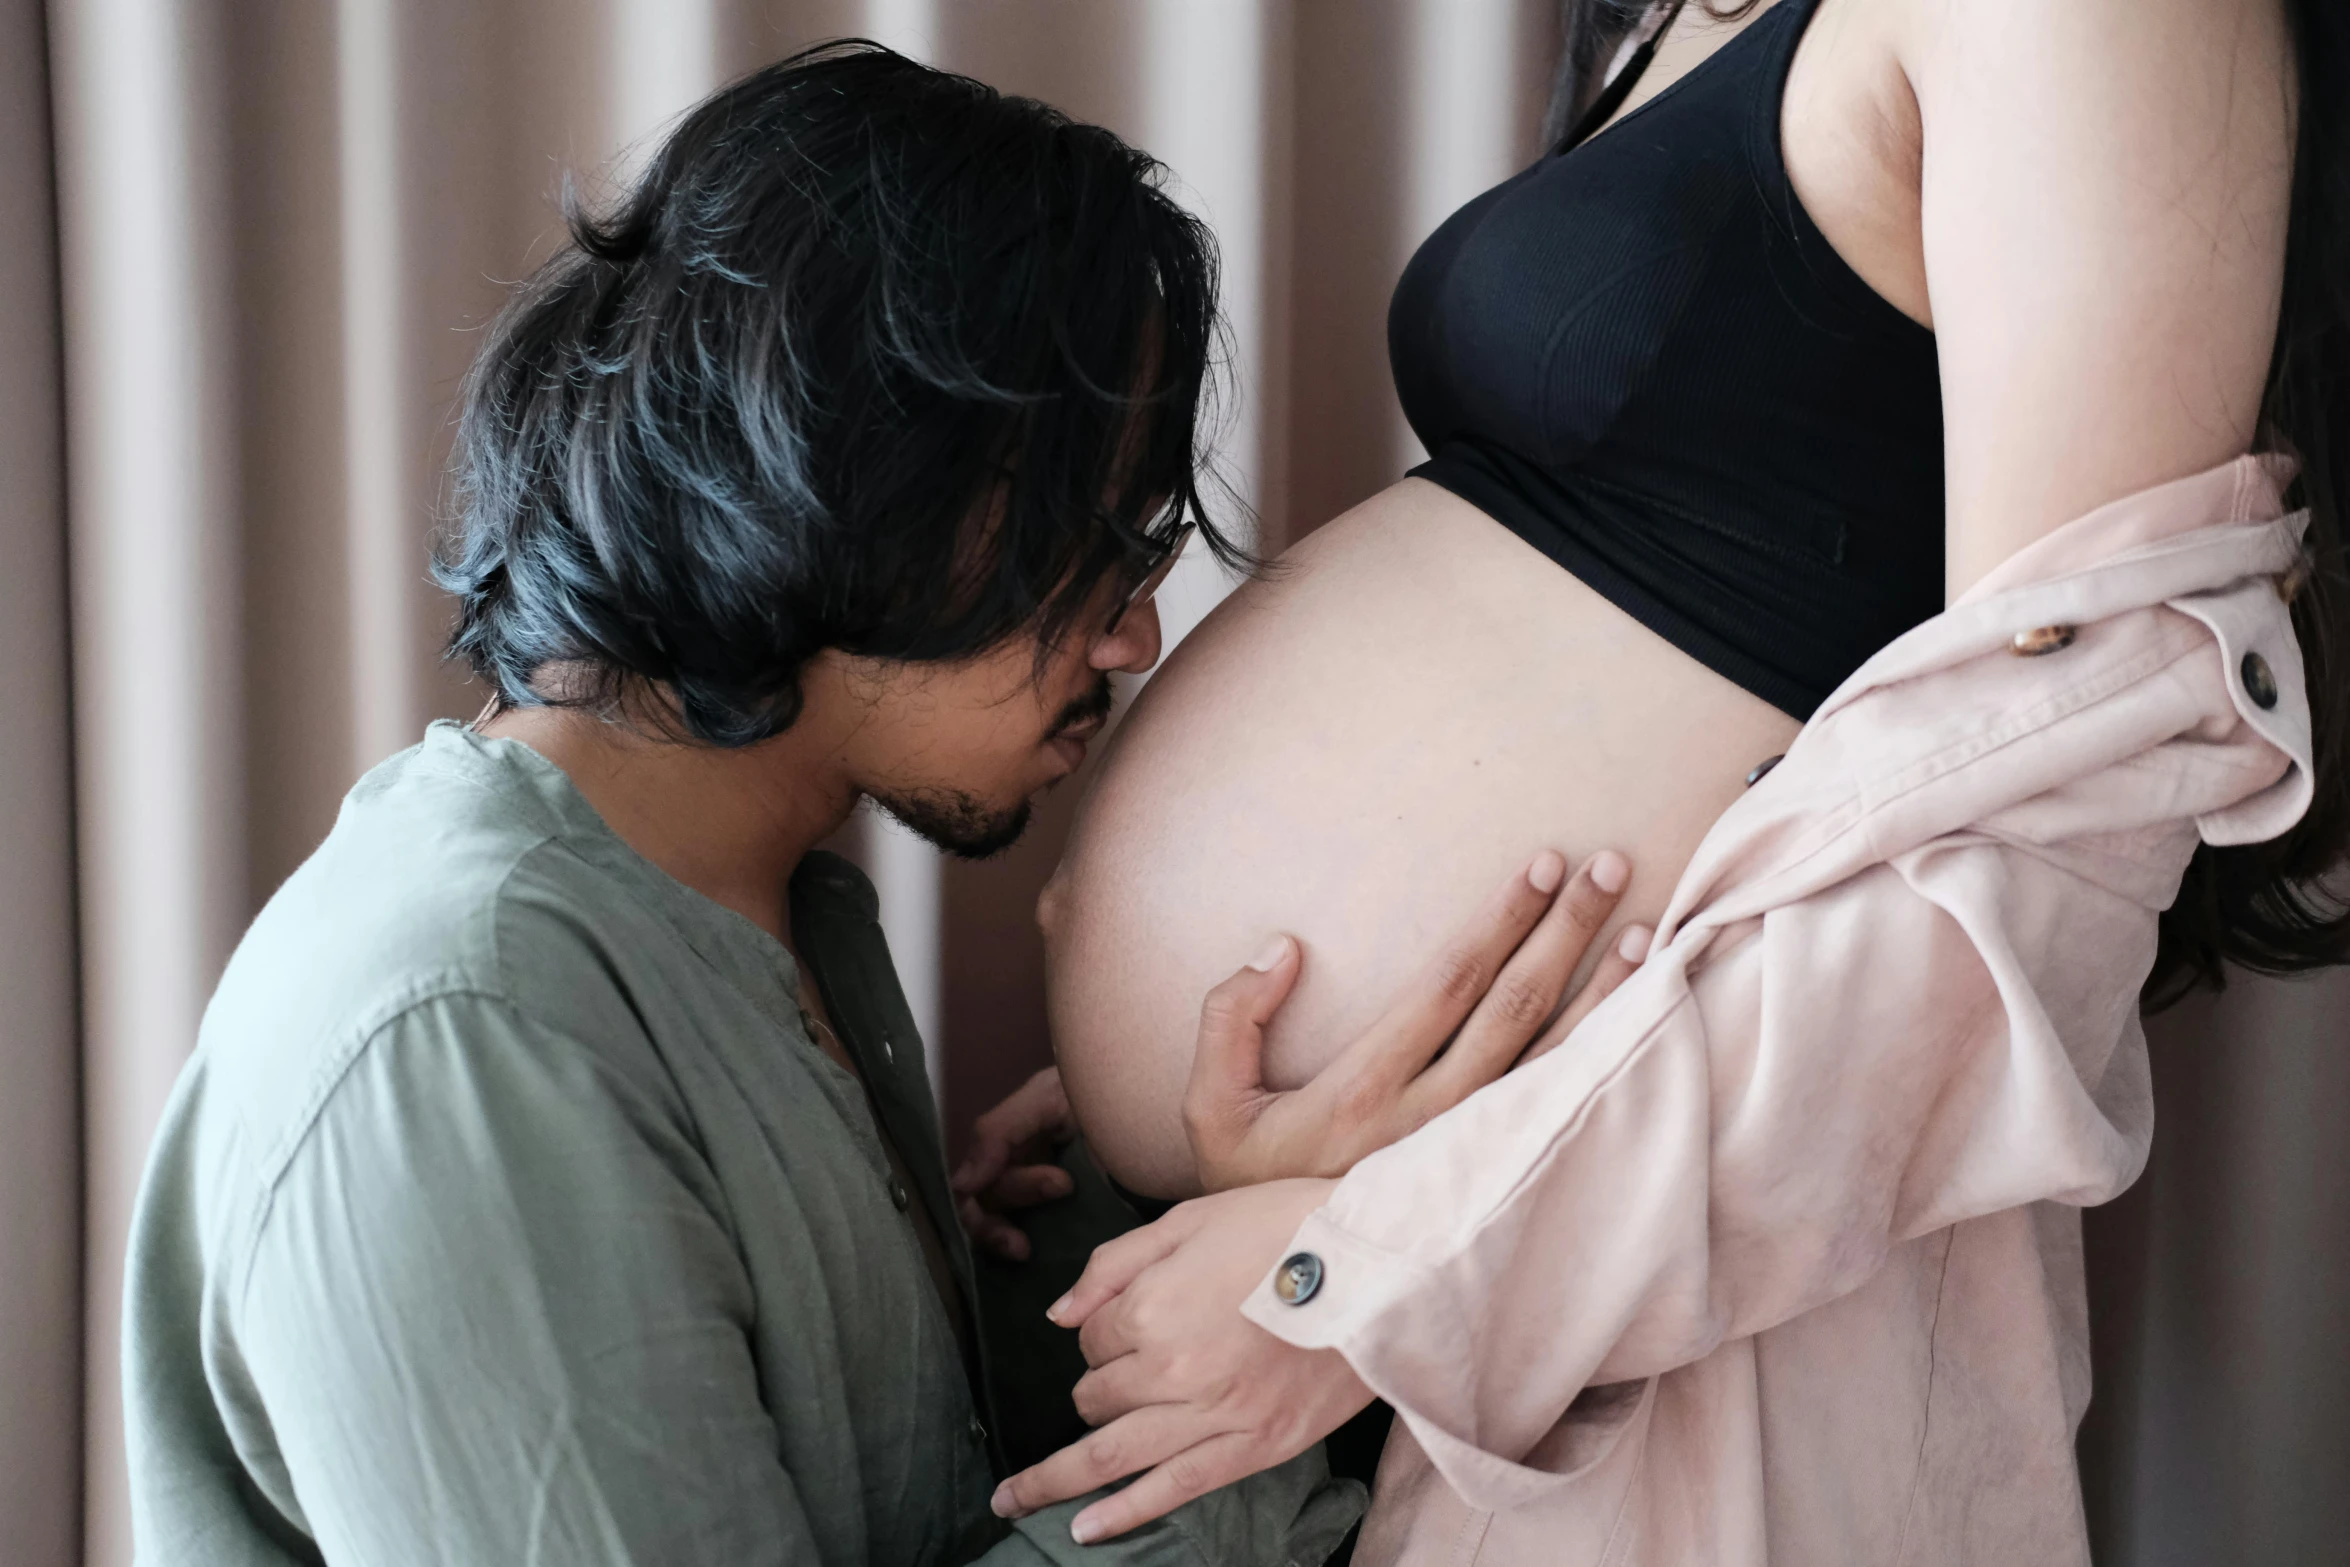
1357, 751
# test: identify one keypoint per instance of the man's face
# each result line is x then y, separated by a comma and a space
959, 751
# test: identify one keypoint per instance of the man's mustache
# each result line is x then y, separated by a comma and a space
1094, 704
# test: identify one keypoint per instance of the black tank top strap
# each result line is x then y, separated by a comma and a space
1828, 277
1619, 87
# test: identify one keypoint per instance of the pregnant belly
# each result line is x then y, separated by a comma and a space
1357, 750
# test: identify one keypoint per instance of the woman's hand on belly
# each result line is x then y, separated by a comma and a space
1181, 1384
1472, 1013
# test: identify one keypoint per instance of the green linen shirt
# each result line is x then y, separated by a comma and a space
506, 1213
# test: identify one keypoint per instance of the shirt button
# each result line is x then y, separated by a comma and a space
1300, 1276
2039, 640
889, 1052
976, 1432
897, 1194
1763, 767
2259, 683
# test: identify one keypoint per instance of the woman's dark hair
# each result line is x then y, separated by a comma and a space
872, 357
2275, 907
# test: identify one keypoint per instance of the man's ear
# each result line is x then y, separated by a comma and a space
835, 678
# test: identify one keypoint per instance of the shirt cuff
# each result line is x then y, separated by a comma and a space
1356, 1282
1382, 1311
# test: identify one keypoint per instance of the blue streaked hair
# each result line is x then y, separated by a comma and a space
871, 357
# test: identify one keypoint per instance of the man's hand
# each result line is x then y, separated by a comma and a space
1009, 1164
1182, 1384
1464, 1022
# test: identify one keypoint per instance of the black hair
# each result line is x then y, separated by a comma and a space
2272, 907
872, 357
2275, 907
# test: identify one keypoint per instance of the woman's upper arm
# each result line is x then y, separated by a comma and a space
2104, 194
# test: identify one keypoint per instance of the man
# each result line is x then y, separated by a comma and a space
556, 1179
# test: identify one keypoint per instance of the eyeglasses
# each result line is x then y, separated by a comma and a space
1154, 574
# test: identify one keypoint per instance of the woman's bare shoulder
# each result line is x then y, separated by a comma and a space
2104, 187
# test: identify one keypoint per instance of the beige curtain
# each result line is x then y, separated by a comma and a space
40, 1138
245, 251
2219, 1431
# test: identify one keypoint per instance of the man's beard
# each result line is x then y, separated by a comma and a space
960, 822
957, 822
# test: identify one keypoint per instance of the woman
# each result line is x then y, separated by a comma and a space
1860, 299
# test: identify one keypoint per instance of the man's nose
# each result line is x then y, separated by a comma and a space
1134, 646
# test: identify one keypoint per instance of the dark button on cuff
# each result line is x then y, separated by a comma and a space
1762, 767
2039, 640
1299, 1278
976, 1432
2259, 683
897, 1194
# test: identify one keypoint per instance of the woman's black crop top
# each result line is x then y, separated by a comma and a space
1643, 358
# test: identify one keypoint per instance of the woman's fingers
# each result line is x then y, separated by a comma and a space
1233, 1017
1192, 1368
1116, 1387
1486, 997
1404, 1041
1133, 1442
1193, 1472
1107, 1335
1116, 1264
1624, 957
1226, 1092
1526, 992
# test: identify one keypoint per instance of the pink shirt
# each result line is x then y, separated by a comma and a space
1777, 1258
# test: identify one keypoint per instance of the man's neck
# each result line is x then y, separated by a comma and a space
731, 824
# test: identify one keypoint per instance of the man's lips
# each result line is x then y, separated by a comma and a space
1070, 743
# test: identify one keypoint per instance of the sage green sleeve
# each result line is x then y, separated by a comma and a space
496, 1312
